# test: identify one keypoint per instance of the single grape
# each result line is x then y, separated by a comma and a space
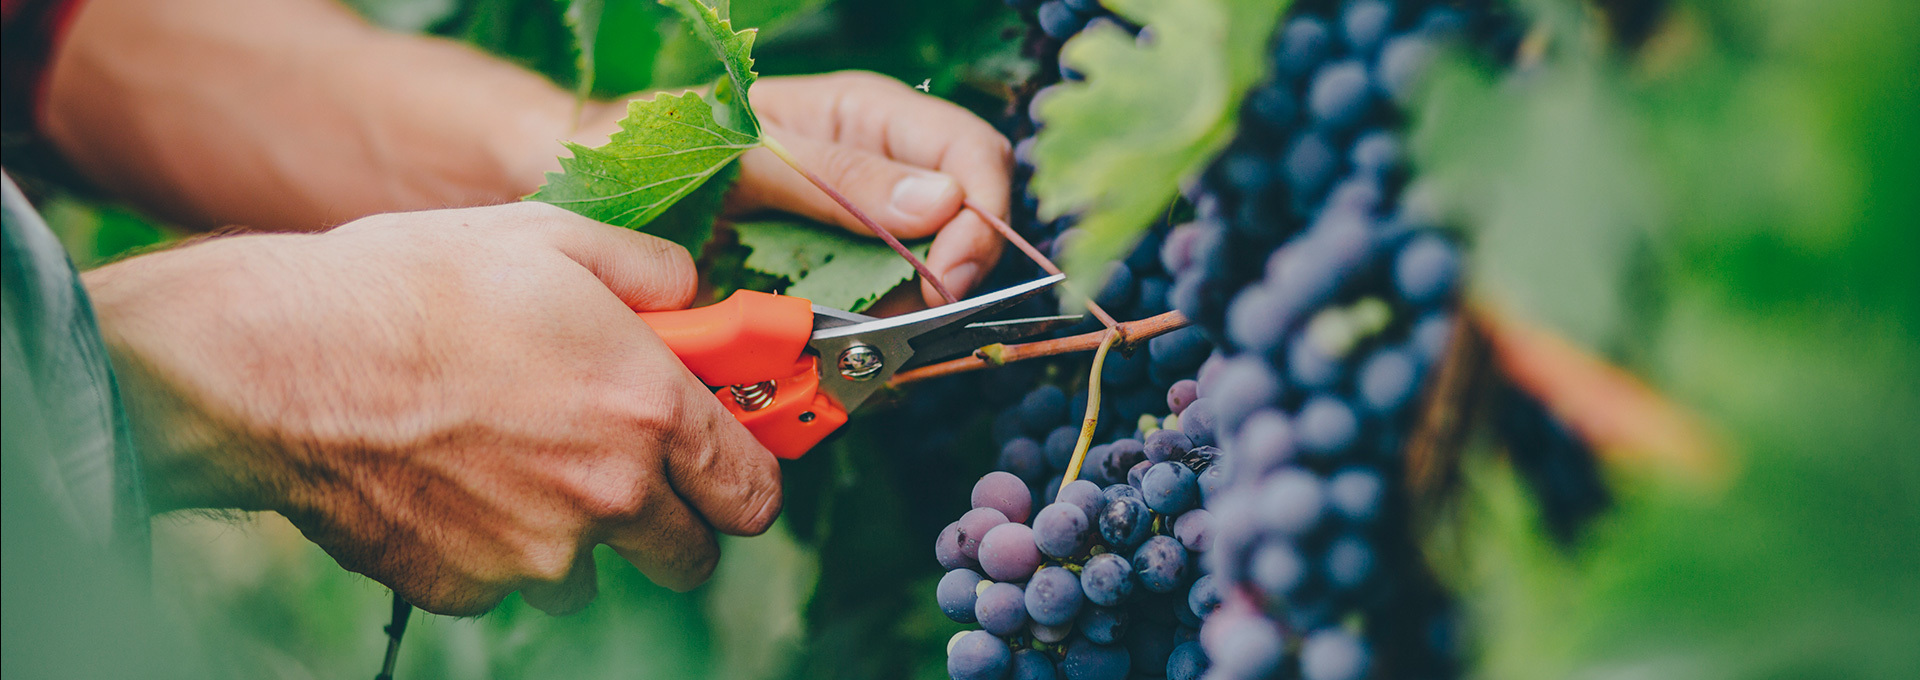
974, 526
1176, 253
1425, 270
1182, 393
1008, 552
1107, 579
1059, 21
1104, 625
1272, 107
956, 594
1333, 655
1377, 154
1087, 495
1325, 427
1364, 23
1121, 456
1388, 380
978, 655
1031, 664
1121, 370
1291, 501
1049, 634
1053, 596
1094, 466
1252, 322
1170, 488
1340, 95
1359, 193
1001, 609
1194, 529
1430, 336
1349, 562
1085, 660
1303, 44
946, 549
1043, 409
1005, 492
1403, 64
1204, 596
1059, 447
1355, 494
1153, 298
1137, 472
1249, 385
1125, 522
1198, 422
1264, 443
1024, 458
1164, 445
1188, 662
1277, 568
1309, 165
1061, 530
1090, 8
1180, 351
1159, 564
1250, 649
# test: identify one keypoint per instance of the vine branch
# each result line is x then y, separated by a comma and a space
1129, 335
1039, 258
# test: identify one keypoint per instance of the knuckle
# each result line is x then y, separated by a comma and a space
546, 562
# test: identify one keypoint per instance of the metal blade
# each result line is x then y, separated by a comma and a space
891, 342
976, 335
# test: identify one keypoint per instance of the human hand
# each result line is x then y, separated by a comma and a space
458, 403
905, 158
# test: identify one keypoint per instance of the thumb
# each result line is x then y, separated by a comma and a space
909, 201
648, 273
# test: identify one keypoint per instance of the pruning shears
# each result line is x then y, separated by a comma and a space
791, 370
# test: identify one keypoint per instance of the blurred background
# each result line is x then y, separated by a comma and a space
1718, 195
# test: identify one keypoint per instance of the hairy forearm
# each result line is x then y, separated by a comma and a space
291, 114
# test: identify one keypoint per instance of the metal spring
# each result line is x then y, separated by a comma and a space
753, 397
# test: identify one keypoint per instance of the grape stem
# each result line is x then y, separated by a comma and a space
1092, 419
1039, 258
1128, 335
892, 242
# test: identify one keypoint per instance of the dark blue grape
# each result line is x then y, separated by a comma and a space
1340, 95
1309, 366
1197, 423
1291, 501
1403, 65
956, 594
1349, 562
1250, 648
1170, 488
1001, 609
1043, 409
1121, 370
1107, 579
1443, 23
1360, 193
1061, 530
1254, 322
1153, 297
1032, 664
1120, 457
1248, 171
1377, 154
1053, 596
1364, 24
1204, 596
1059, 446
1249, 384
1177, 251
1125, 522
1309, 164
1085, 660
1212, 481
1355, 493
1388, 380
1004, 492
1180, 351
1024, 459
1272, 106
1008, 426
1149, 646
1303, 44
1059, 21
1333, 655
1160, 563
1425, 270
978, 655
1188, 662
1119, 289
1277, 568
1430, 336
1194, 529
1104, 625
1090, 8
1325, 427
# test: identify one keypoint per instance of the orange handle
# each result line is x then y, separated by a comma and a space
748, 338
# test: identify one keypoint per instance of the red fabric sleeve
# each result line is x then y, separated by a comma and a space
29, 32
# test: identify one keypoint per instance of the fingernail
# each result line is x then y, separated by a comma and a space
921, 194
960, 278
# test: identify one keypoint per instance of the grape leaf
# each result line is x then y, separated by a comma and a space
1116, 146
827, 266
583, 18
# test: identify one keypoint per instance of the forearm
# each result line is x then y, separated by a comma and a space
292, 114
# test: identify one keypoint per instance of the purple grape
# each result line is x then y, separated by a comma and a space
1303, 44
1049, 634
1005, 492
1059, 447
1024, 459
1388, 380
1359, 193
1194, 530
1349, 562
1170, 488
1121, 456
1364, 23
1277, 568
1181, 350
1001, 609
1249, 648
1177, 251
1087, 495
1181, 394
1265, 442
1031, 664
1059, 21
1333, 655
1061, 530
1198, 422
974, 526
1340, 95
1212, 481
1204, 596
1425, 270
1008, 552
1104, 625
1325, 427
1431, 335
946, 549
1085, 660
1249, 385
1160, 563
1107, 579
978, 655
1137, 472
1355, 494
1291, 501
1043, 409
956, 594
1053, 596
1188, 662
1164, 445
1125, 522
1309, 165
1378, 154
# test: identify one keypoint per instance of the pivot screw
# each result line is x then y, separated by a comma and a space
860, 362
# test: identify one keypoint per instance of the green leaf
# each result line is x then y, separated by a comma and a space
583, 18
735, 50
1117, 146
667, 148
827, 266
